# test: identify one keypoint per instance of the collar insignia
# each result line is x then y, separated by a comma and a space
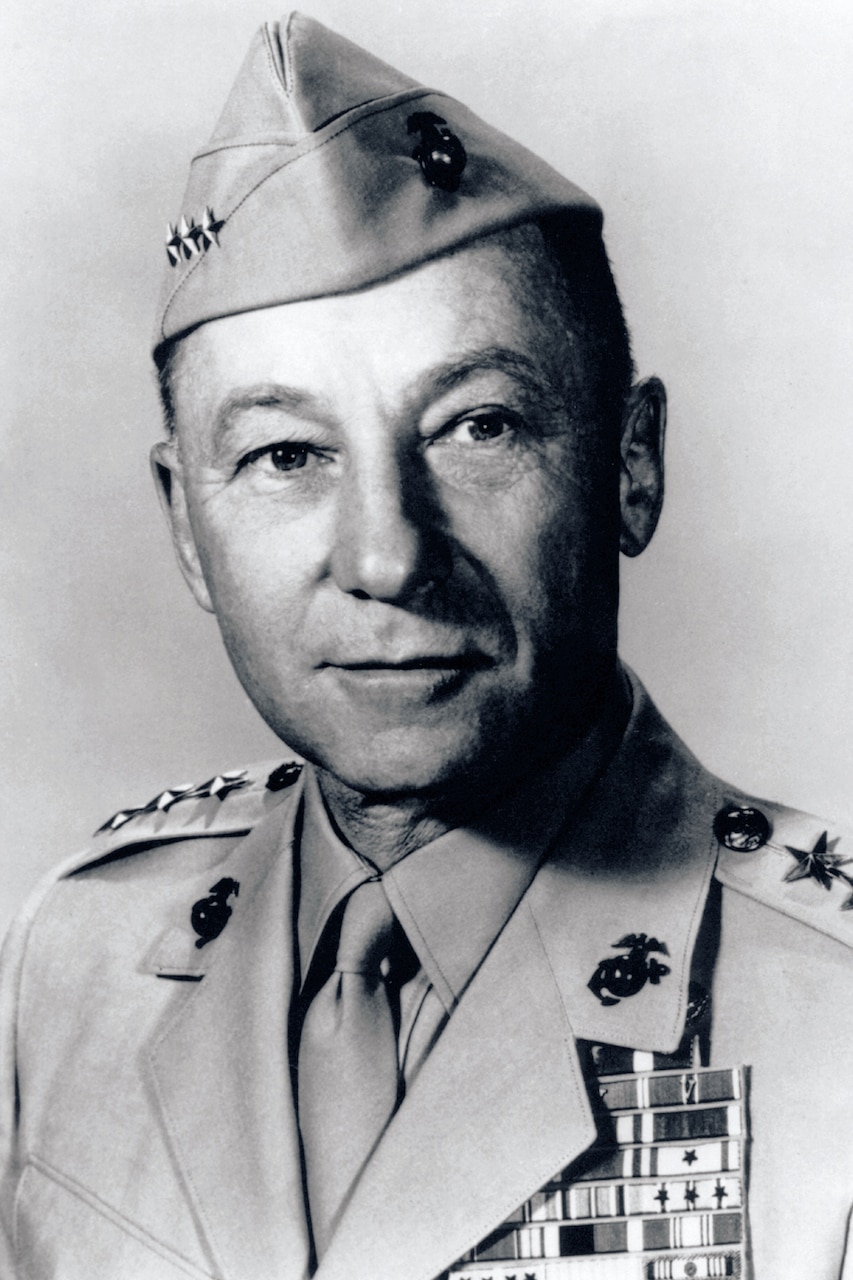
209, 916
822, 864
625, 975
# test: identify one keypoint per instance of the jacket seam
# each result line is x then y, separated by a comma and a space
113, 1215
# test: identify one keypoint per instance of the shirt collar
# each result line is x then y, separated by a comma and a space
454, 895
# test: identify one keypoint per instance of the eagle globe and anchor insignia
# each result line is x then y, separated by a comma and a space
626, 974
209, 916
440, 153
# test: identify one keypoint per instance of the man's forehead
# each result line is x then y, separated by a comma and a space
489, 311
330, 171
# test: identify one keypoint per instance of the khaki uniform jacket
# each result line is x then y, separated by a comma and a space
147, 1127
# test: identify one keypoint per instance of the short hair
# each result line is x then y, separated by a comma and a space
588, 297
595, 315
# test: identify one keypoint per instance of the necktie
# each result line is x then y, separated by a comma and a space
348, 1079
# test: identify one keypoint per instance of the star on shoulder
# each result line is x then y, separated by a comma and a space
790, 861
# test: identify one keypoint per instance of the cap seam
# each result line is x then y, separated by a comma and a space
388, 101
397, 100
276, 78
286, 60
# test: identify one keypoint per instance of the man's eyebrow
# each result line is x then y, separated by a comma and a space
535, 375
266, 395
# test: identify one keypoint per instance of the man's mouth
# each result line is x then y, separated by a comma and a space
400, 684
424, 662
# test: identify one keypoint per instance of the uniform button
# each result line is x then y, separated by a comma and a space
741, 828
284, 776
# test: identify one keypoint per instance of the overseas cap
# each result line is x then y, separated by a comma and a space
329, 171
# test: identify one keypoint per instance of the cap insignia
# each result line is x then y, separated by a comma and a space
440, 154
190, 238
625, 975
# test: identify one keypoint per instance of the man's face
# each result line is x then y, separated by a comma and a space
404, 514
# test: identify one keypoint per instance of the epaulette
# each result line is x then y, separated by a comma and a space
789, 861
228, 803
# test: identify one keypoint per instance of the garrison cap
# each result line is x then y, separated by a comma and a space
330, 171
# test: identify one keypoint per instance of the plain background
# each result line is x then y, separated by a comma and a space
718, 139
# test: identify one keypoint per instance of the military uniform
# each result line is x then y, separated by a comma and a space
157, 1137
641, 1076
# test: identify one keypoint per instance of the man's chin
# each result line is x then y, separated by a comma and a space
404, 763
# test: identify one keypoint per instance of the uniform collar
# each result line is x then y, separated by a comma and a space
454, 895
637, 860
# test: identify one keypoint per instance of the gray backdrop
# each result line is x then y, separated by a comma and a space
717, 138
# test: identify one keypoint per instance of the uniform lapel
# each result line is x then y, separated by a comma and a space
498, 1107
221, 1076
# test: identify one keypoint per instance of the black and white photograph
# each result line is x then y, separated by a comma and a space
427, 618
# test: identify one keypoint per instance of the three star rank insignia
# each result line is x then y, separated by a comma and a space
219, 786
189, 239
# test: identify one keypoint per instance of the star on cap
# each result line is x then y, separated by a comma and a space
819, 863
174, 244
210, 228
190, 236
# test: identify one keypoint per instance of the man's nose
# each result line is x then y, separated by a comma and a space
389, 537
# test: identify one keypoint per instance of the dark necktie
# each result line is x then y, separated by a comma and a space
348, 1075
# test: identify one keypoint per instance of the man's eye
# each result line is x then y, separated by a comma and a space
281, 457
288, 457
481, 428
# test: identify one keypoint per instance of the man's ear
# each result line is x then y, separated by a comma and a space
641, 464
168, 481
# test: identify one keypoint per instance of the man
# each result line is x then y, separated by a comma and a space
501, 983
